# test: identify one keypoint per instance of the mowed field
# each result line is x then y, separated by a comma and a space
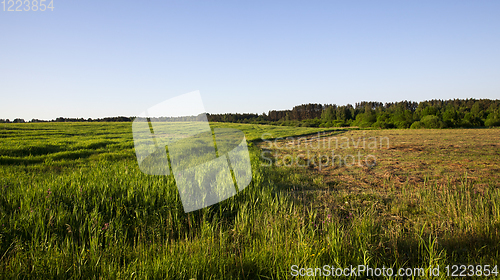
74, 205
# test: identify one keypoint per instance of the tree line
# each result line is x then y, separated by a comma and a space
403, 114
61, 119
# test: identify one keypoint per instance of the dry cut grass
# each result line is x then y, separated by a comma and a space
442, 184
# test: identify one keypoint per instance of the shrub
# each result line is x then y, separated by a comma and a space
417, 125
432, 121
382, 124
403, 124
338, 123
492, 122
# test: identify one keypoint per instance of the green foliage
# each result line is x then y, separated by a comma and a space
471, 120
428, 111
417, 125
383, 121
366, 119
492, 122
450, 116
493, 119
452, 113
382, 124
432, 121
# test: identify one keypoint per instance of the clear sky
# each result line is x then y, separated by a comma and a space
108, 58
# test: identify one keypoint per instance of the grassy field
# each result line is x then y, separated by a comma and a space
74, 205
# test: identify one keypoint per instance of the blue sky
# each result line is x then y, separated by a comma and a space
108, 58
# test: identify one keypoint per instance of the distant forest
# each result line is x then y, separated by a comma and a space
61, 119
404, 114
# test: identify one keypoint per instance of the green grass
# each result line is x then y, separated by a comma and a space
74, 205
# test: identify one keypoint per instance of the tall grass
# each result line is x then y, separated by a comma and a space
95, 215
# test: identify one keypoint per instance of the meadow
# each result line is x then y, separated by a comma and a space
74, 205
